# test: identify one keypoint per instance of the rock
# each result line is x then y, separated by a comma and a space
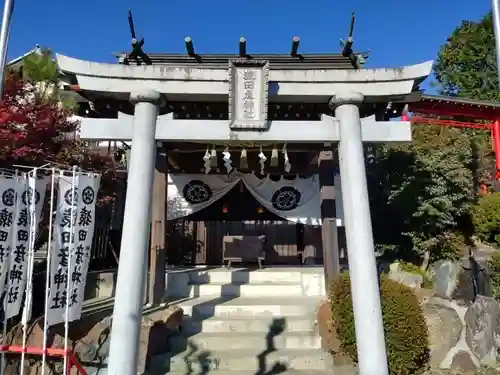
482, 329
90, 336
78, 330
173, 318
444, 327
450, 280
407, 278
424, 295
156, 330
484, 251
479, 267
444, 276
463, 362
487, 371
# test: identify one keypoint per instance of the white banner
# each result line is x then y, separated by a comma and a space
27, 218
190, 193
62, 248
8, 195
88, 186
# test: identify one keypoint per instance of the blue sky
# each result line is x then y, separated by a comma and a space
397, 32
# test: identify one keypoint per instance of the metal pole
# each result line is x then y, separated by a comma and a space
8, 9
495, 131
129, 298
363, 273
496, 30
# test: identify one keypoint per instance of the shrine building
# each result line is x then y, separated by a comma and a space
292, 129
246, 158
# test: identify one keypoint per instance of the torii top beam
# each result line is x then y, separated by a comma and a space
304, 84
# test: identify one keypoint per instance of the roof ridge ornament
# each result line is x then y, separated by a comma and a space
357, 59
137, 52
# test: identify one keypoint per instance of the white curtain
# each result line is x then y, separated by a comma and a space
296, 200
190, 193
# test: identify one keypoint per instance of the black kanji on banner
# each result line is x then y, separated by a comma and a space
22, 219
60, 278
63, 256
59, 300
16, 274
85, 217
4, 235
5, 218
79, 254
4, 251
13, 294
73, 297
82, 235
66, 215
67, 237
19, 253
22, 235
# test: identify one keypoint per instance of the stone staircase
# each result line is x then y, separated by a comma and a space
250, 321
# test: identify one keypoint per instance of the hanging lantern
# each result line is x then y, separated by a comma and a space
225, 210
260, 210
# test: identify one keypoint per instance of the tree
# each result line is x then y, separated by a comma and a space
428, 188
466, 67
466, 63
425, 189
37, 126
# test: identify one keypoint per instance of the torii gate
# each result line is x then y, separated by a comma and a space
344, 90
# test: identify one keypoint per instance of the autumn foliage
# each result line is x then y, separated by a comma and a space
36, 130
32, 129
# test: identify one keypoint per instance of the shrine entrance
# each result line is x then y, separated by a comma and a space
196, 102
197, 238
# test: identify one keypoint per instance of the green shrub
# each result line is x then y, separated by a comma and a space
405, 328
486, 218
494, 270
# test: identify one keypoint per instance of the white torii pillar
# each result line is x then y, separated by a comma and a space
127, 312
370, 342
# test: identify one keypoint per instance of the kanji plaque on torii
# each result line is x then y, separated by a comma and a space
248, 93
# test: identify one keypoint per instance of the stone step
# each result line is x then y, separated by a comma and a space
247, 276
206, 307
308, 281
285, 371
246, 290
255, 341
193, 360
237, 324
